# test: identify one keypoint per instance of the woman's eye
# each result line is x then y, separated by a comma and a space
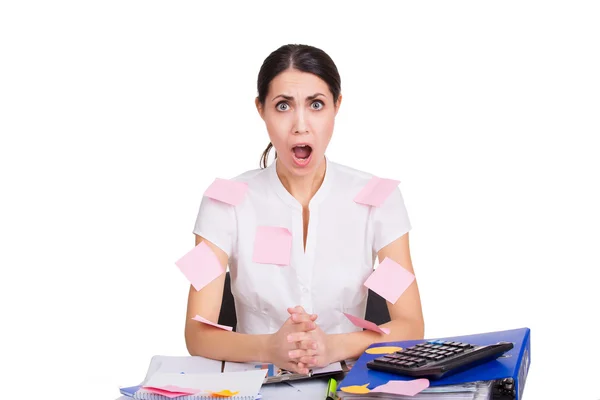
319, 103
282, 106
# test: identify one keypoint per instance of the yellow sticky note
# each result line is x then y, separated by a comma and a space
224, 393
356, 389
383, 350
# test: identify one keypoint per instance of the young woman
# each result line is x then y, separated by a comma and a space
292, 315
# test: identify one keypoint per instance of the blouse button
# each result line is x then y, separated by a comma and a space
304, 290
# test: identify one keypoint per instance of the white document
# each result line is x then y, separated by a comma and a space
187, 365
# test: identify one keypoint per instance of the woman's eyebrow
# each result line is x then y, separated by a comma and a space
314, 96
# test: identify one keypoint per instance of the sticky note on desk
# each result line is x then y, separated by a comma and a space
170, 391
227, 191
361, 323
207, 322
200, 266
272, 245
405, 388
389, 280
376, 191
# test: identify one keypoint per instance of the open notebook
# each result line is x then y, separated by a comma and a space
275, 374
247, 384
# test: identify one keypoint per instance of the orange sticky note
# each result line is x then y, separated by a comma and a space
227, 191
356, 389
383, 350
361, 323
272, 245
376, 191
207, 322
405, 388
389, 280
224, 393
200, 266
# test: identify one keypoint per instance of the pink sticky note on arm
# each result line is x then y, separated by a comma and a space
227, 191
200, 266
361, 323
207, 322
405, 388
272, 245
376, 191
389, 280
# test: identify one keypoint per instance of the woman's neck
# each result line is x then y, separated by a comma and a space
302, 188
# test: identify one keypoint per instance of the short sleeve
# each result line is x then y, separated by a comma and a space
389, 221
216, 223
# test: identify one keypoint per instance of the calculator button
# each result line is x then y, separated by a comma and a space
437, 358
458, 350
410, 364
420, 363
464, 346
429, 346
420, 345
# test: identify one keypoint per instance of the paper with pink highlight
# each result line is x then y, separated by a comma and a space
170, 391
361, 323
207, 322
389, 280
227, 191
376, 191
200, 266
272, 245
405, 388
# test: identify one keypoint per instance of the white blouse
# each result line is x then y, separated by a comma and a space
343, 240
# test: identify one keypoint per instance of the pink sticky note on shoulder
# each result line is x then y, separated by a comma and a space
361, 323
389, 280
207, 322
200, 266
227, 191
376, 191
272, 245
170, 391
405, 388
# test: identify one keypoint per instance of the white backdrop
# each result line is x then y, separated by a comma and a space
116, 115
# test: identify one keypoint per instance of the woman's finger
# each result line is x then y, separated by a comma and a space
299, 337
309, 361
297, 354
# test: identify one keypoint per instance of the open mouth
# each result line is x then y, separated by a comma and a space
302, 153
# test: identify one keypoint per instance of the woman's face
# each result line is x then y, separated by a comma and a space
299, 114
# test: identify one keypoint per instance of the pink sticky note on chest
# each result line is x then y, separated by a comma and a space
272, 245
361, 323
376, 191
405, 388
207, 322
200, 266
227, 191
389, 280
170, 391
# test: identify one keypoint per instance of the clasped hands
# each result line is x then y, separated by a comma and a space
299, 344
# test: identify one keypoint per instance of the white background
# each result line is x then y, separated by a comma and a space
116, 115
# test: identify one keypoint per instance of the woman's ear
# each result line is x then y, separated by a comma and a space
259, 107
339, 103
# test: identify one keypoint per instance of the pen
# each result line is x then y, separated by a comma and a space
331, 390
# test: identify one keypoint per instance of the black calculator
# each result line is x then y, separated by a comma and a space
436, 358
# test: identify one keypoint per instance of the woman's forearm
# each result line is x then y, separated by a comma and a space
351, 345
217, 344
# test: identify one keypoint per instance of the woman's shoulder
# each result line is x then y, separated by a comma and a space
347, 176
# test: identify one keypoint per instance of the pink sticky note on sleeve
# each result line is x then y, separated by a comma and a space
207, 322
361, 323
227, 191
376, 191
405, 388
389, 280
170, 391
272, 245
200, 266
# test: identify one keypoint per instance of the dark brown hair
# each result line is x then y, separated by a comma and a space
303, 58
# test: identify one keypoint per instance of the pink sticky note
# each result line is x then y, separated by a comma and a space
389, 280
200, 266
361, 323
207, 322
406, 388
170, 391
227, 191
272, 245
376, 191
